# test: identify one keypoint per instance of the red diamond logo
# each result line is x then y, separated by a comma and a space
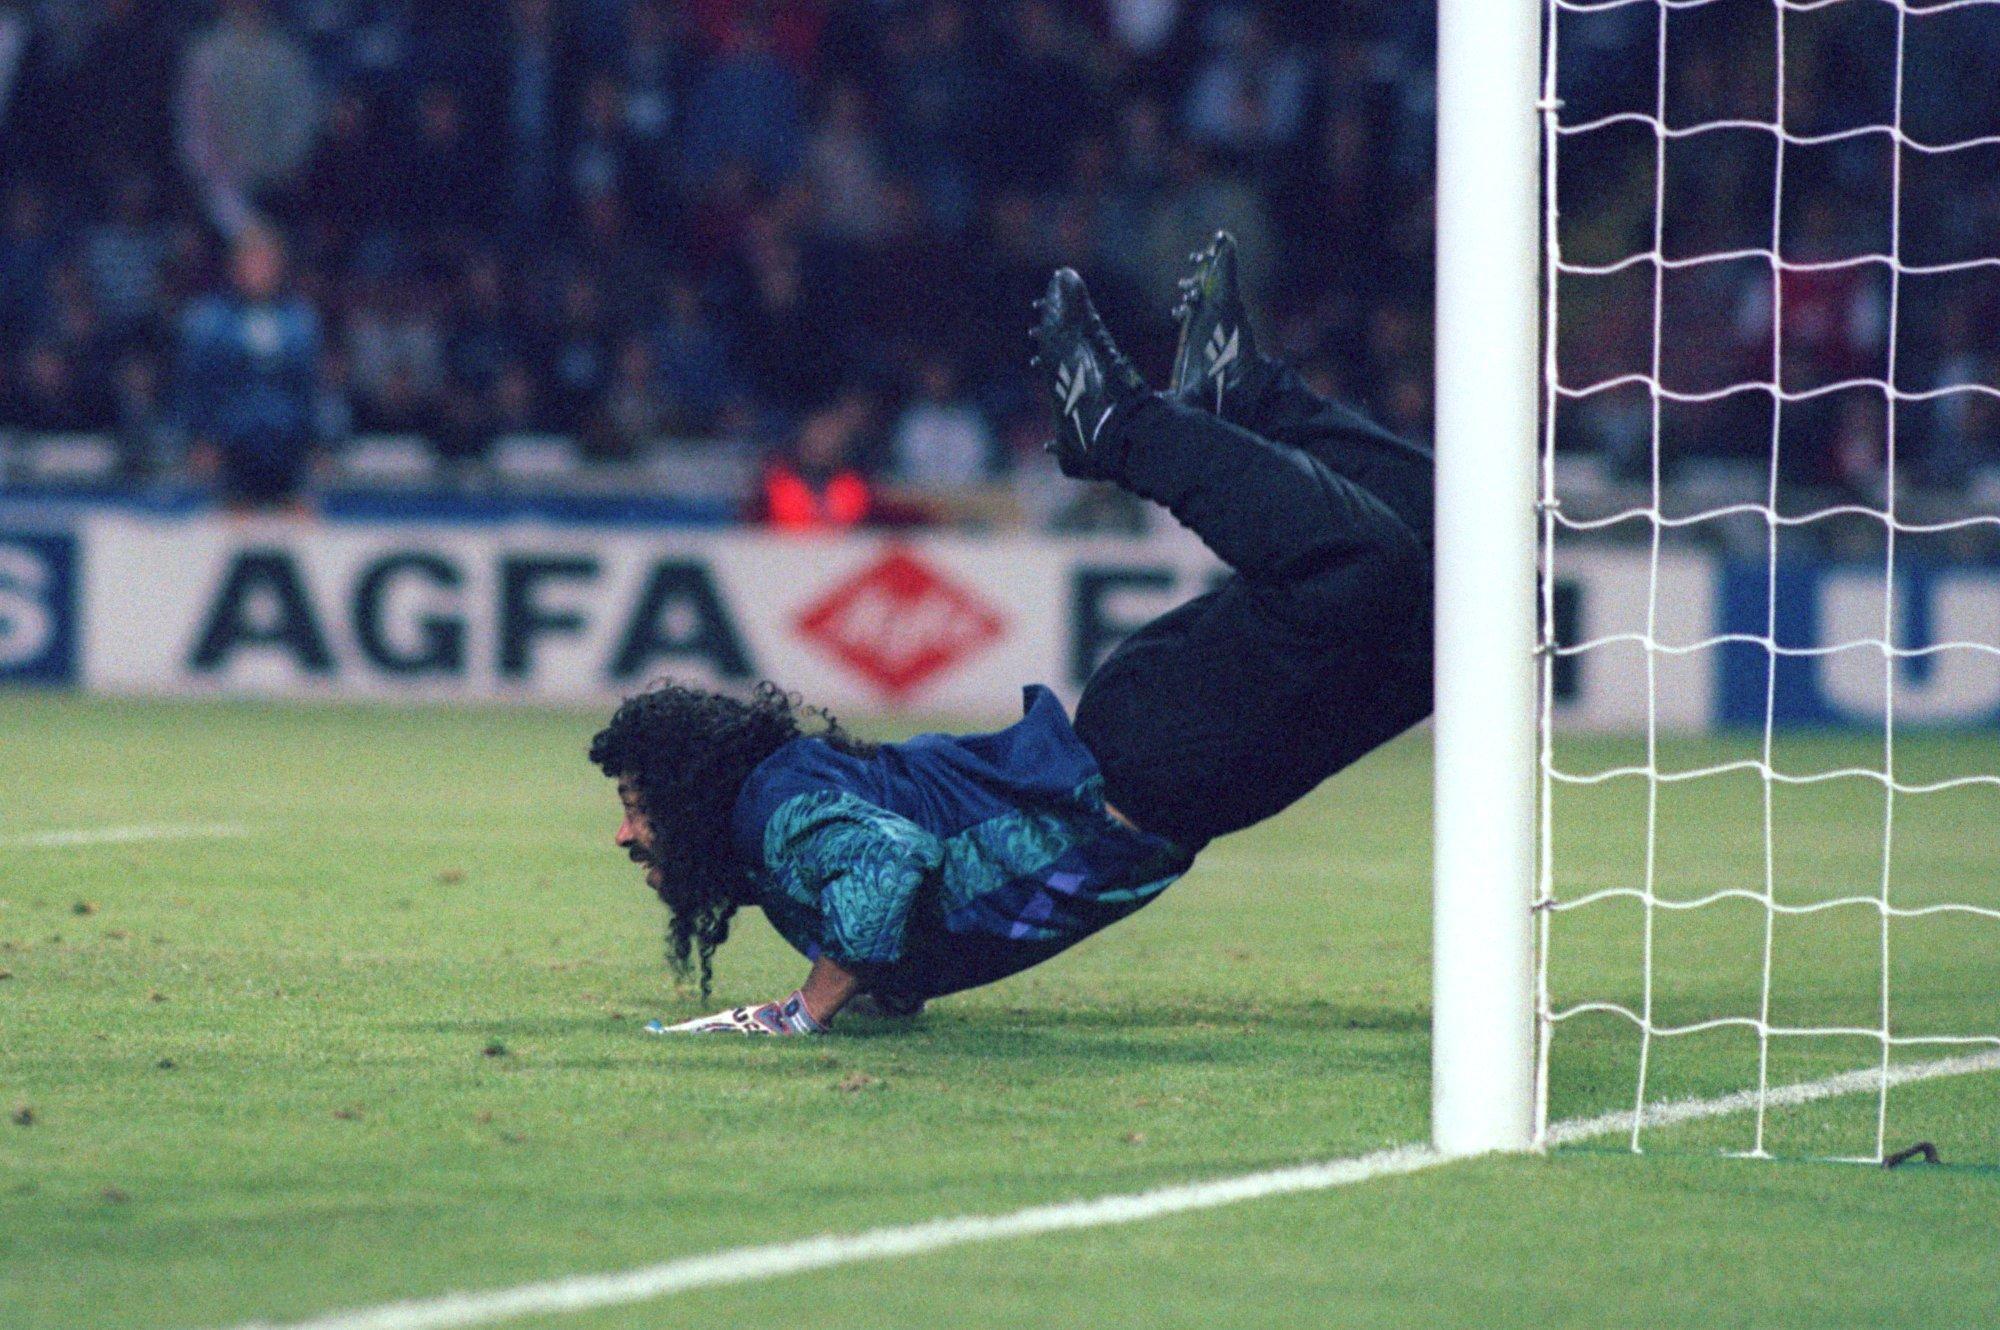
898, 622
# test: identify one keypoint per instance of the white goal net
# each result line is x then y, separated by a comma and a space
1772, 337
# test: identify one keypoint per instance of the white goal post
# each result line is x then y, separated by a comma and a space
1489, 213
1504, 138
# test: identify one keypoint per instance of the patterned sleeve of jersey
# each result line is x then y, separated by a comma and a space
860, 864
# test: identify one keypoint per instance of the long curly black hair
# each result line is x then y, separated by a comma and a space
686, 753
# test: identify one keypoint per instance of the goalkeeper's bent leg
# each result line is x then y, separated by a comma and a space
1325, 552
1274, 401
1224, 711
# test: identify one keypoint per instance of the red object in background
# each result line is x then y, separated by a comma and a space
1825, 324
899, 622
793, 503
794, 28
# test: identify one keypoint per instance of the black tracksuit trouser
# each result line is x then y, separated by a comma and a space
1314, 652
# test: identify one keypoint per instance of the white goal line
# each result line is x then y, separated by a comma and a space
741, 1265
54, 840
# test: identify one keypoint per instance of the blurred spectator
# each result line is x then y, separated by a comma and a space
792, 30
340, 196
846, 168
248, 364
748, 107
1405, 406
484, 339
941, 441
108, 107
635, 410
1333, 183
396, 345
1250, 95
516, 409
249, 107
357, 43
15, 30
938, 108
819, 486
1860, 446
139, 419
124, 259
1833, 317
51, 394
788, 341
444, 174
694, 372
397, 404
333, 406
603, 161
1144, 27
1143, 144
1963, 434
916, 283
655, 66
576, 354
72, 322
534, 94
28, 248
1053, 94
1013, 259
620, 256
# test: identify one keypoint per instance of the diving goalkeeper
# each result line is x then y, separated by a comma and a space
905, 871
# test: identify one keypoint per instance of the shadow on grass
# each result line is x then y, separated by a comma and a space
1609, 1149
1122, 1036
1306, 1016
1311, 1016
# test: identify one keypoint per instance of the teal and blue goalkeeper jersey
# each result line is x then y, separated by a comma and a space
947, 861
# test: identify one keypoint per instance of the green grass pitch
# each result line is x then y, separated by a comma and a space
386, 1044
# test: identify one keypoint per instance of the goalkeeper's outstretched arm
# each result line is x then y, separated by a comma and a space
809, 1010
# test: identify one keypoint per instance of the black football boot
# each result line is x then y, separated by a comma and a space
1087, 376
1216, 345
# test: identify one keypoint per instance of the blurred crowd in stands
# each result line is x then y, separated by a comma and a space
1892, 256
813, 227
236, 235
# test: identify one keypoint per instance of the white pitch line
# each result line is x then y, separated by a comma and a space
1675, 1111
50, 840
746, 1264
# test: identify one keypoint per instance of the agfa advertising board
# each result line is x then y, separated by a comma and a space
939, 626
945, 625
1710, 621
38, 607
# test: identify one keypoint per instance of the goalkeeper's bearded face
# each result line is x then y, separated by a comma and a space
635, 831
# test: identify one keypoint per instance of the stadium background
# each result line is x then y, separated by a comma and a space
575, 272
306, 1007
717, 267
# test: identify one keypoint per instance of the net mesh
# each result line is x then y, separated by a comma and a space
1643, 212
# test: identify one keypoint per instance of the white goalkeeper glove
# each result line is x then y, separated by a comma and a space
787, 1017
